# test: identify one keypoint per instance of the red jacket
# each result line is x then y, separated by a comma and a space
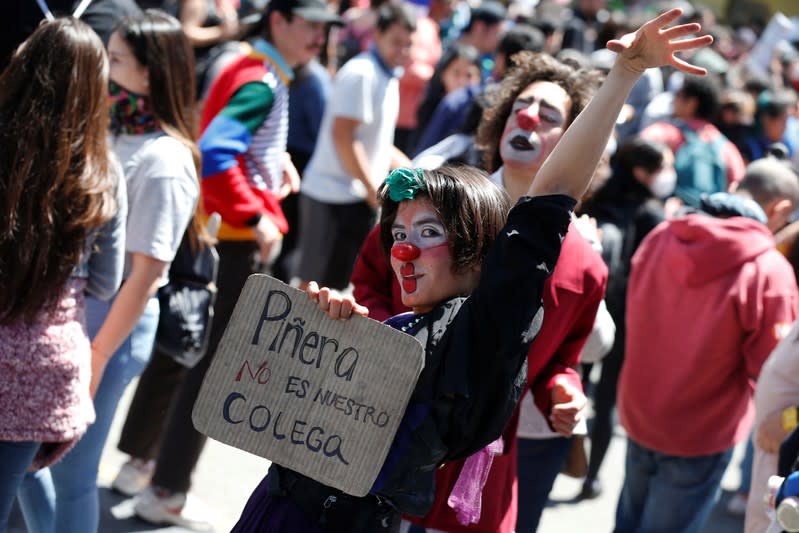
707, 301
571, 298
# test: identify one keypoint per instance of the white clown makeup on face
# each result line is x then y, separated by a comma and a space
421, 257
535, 125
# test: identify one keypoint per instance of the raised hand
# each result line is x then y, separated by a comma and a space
653, 45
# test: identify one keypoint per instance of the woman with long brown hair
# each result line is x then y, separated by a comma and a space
152, 132
62, 210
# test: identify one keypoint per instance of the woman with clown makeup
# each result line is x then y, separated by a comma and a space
473, 275
533, 106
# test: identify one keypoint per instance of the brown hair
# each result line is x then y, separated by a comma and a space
471, 207
159, 44
530, 67
56, 183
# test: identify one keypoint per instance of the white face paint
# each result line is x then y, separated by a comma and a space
664, 183
520, 147
426, 272
534, 126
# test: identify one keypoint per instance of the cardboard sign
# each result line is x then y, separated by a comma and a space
320, 396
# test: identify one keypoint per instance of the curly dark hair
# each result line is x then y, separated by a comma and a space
530, 67
472, 208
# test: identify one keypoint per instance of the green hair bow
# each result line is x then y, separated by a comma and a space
403, 183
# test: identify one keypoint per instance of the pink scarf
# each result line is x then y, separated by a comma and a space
466, 496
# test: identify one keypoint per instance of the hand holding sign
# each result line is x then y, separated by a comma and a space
335, 304
319, 396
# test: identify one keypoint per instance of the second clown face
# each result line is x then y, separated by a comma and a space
536, 123
421, 258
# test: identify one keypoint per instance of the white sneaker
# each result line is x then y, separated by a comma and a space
160, 507
133, 477
736, 505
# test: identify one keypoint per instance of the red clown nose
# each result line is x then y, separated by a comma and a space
526, 120
405, 252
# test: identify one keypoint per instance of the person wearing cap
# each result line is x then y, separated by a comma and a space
353, 153
245, 171
716, 277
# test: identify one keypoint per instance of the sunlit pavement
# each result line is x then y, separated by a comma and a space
225, 477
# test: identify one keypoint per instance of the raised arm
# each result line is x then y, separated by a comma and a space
571, 164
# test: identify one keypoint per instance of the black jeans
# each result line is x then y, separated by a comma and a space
159, 423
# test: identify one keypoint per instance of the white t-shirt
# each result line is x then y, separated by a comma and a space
162, 193
362, 90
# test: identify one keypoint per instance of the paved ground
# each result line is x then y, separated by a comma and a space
564, 514
226, 476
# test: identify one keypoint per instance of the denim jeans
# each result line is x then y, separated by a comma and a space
72, 482
15, 458
539, 463
746, 466
665, 493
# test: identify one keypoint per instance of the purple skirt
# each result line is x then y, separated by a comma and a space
267, 514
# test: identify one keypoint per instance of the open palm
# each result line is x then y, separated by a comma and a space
653, 45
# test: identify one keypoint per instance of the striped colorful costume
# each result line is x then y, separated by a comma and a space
244, 128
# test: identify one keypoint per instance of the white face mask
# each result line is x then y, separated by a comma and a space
664, 183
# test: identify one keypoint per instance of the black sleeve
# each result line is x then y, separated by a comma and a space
484, 351
476, 352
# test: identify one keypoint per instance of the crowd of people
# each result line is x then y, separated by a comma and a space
555, 186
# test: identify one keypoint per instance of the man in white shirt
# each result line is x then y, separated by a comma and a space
353, 154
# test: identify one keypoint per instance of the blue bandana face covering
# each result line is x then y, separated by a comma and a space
404, 183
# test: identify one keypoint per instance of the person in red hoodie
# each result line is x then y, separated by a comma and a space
571, 298
709, 297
